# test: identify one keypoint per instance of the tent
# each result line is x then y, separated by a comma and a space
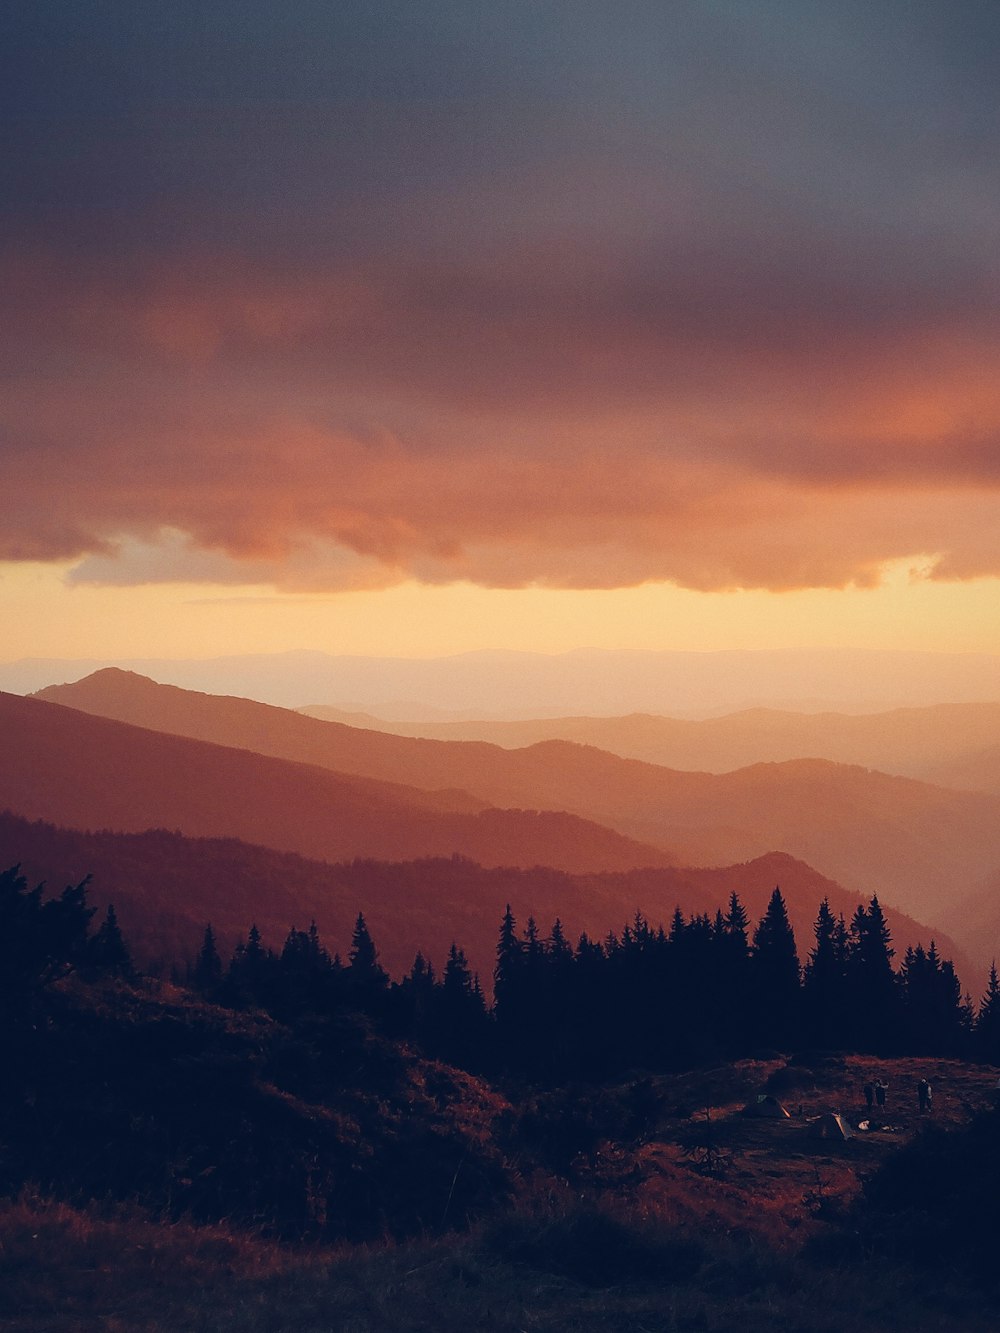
766, 1107
830, 1125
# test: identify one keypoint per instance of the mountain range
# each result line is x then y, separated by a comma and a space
913, 843
89, 772
950, 745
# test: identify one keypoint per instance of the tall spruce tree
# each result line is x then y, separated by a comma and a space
506, 974
365, 979
775, 975
207, 973
107, 950
824, 982
509, 989
875, 992
732, 977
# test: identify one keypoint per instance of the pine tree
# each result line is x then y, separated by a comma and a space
208, 965
107, 950
457, 980
416, 992
39, 941
249, 980
738, 924
365, 977
731, 948
824, 982
775, 974
507, 973
303, 975
875, 992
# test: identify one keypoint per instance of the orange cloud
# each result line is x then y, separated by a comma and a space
555, 420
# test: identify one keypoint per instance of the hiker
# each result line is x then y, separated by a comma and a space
869, 1092
880, 1090
924, 1095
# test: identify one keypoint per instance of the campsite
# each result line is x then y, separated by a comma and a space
757, 1145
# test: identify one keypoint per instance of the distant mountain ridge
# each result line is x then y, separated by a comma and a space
945, 744
915, 844
585, 681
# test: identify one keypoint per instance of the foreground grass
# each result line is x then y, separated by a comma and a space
556, 1268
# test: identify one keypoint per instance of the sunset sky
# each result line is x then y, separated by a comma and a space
407, 328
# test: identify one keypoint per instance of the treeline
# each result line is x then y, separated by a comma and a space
642, 999
664, 998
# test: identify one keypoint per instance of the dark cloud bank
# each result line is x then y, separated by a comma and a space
515, 293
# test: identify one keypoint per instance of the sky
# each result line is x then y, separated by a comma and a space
408, 328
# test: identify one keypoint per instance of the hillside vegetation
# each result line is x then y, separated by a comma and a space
206, 1157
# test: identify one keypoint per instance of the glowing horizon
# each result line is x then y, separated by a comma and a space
47, 617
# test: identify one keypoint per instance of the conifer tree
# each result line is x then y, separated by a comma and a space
39, 941
248, 981
107, 950
824, 982
303, 974
365, 976
208, 965
457, 980
417, 1000
775, 974
506, 974
731, 979
875, 993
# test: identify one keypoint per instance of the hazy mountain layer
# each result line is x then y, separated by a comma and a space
915, 844
83, 771
944, 744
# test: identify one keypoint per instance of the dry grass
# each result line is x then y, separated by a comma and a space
68, 1272
636, 1241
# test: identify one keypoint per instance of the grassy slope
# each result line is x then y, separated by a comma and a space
634, 1239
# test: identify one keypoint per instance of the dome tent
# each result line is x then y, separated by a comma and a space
831, 1125
765, 1107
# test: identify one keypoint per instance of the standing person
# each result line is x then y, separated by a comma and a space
924, 1095
869, 1092
880, 1090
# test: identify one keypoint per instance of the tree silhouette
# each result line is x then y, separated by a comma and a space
774, 970
825, 982
207, 972
366, 982
40, 941
107, 951
875, 992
